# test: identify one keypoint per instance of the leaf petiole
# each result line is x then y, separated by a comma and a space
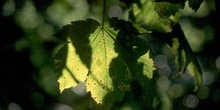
103, 14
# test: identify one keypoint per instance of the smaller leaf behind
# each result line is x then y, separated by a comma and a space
186, 59
166, 9
148, 17
195, 4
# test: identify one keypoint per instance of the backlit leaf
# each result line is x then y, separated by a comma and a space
73, 59
103, 57
107, 77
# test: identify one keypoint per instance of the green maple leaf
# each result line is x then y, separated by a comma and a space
102, 57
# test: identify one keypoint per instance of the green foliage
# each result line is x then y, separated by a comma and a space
195, 4
166, 9
186, 58
70, 56
115, 58
148, 16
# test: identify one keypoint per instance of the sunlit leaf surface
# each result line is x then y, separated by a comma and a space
73, 60
105, 57
108, 71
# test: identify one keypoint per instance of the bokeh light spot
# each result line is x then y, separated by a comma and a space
186, 76
28, 17
208, 78
203, 92
160, 61
48, 80
62, 107
21, 44
14, 106
217, 62
164, 71
8, 8
176, 91
80, 89
163, 84
191, 101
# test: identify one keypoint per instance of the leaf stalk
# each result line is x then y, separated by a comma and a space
103, 13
